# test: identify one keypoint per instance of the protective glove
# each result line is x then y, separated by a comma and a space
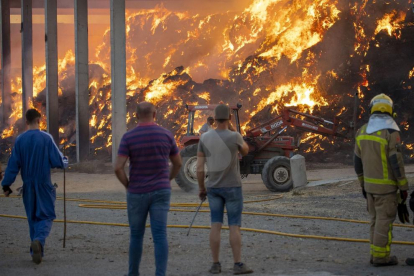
7, 191
65, 162
412, 202
364, 193
404, 195
403, 214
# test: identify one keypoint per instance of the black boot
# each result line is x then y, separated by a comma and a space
410, 261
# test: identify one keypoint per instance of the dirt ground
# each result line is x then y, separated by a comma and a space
103, 250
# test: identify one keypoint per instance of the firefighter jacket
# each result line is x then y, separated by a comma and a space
378, 161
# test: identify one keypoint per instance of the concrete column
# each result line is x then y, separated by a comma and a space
52, 102
27, 54
118, 73
5, 61
82, 80
298, 171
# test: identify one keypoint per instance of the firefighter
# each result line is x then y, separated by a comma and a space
379, 165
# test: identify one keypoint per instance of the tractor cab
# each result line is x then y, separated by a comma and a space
197, 117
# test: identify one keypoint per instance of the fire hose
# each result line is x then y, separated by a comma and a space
105, 204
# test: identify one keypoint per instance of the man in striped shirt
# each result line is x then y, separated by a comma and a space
148, 147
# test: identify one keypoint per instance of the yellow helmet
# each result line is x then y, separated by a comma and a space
382, 103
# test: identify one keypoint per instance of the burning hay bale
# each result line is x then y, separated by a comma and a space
309, 55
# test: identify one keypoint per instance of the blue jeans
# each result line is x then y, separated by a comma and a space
232, 198
157, 204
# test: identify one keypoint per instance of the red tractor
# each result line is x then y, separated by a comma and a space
269, 152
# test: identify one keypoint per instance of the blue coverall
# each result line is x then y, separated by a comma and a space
35, 153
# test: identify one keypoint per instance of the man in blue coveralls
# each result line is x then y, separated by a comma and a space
35, 153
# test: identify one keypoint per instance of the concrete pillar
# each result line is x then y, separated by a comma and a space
52, 102
82, 80
298, 170
27, 54
5, 61
118, 73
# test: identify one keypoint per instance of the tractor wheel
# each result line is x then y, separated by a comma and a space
187, 177
277, 175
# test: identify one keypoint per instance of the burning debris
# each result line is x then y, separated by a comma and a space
310, 55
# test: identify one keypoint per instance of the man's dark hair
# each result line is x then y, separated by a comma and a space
209, 119
221, 120
31, 115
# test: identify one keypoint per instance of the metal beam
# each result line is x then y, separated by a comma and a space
118, 74
52, 100
27, 55
5, 61
82, 80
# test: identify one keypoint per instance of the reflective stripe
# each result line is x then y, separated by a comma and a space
380, 181
402, 182
380, 252
383, 143
383, 252
384, 162
363, 129
380, 140
379, 132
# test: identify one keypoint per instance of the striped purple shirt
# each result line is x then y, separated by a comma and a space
149, 148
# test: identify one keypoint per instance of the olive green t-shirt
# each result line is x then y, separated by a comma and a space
221, 148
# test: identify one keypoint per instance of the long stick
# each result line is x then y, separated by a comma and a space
198, 209
64, 199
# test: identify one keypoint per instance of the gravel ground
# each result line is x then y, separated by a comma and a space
103, 250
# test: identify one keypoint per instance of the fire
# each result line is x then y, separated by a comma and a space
390, 23
205, 96
161, 87
269, 55
7, 132
299, 93
410, 147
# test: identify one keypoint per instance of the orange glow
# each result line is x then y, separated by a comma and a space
266, 56
390, 23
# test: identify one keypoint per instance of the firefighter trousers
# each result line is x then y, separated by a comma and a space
383, 210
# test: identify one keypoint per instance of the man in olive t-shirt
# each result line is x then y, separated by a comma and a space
219, 148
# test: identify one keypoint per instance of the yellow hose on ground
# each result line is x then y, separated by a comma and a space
122, 205
226, 228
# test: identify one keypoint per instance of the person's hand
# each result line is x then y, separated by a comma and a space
202, 194
364, 193
404, 195
65, 161
1, 175
7, 191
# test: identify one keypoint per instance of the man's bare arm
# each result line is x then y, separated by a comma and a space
244, 149
119, 170
201, 175
176, 165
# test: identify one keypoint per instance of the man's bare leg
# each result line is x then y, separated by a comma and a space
235, 242
215, 236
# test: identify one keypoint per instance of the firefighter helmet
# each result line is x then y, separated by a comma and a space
382, 103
